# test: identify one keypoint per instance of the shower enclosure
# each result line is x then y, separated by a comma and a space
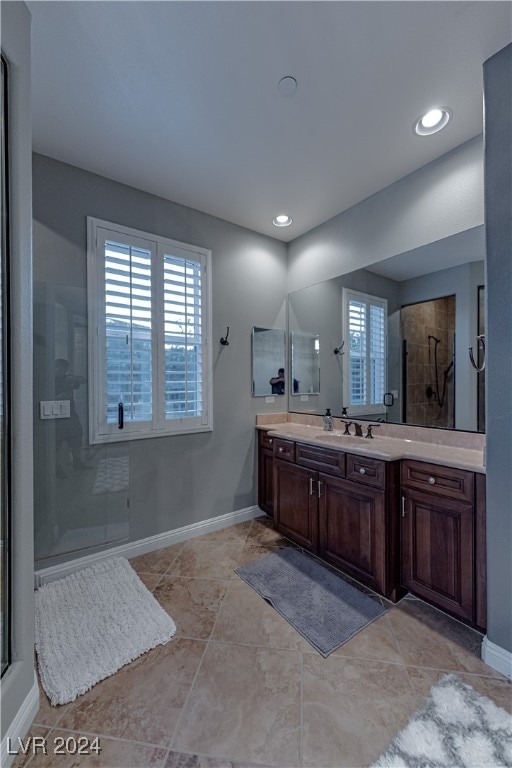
428, 340
4, 386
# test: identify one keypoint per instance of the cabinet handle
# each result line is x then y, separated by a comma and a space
310, 486
319, 485
403, 506
280, 449
270, 441
432, 481
362, 471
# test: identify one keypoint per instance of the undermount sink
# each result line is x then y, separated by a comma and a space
339, 438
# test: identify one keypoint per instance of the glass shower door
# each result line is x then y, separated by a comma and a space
4, 389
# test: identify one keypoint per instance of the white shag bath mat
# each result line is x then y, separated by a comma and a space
92, 623
457, 728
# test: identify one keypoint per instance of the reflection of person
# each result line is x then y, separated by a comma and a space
278, 385
68, 430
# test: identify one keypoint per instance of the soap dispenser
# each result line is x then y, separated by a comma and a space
328, 420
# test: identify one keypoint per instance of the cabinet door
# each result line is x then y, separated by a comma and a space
437, 551
266, 480
295, 503
352, 532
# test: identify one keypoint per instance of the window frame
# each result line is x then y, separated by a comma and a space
99, 429
347, 295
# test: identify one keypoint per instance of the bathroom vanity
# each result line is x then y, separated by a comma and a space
397, 515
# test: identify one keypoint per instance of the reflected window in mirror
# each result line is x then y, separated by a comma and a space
364, 363
268, 362
305, 363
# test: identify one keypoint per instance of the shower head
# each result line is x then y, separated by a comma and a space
437, 341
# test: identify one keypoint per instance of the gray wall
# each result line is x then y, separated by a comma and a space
19, 678
178, 480
463, 282
498, 215
436, 201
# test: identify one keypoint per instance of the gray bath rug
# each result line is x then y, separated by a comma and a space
457, 728
93, 622
319, 604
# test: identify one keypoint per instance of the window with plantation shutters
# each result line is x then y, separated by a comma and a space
364, 361
149, 353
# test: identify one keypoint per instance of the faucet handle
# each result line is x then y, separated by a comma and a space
347, 425
369, 430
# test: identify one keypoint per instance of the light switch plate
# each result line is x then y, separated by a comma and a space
54, 409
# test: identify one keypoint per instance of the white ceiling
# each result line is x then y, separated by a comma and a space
180, 98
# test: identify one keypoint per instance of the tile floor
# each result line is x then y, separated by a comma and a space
238, 686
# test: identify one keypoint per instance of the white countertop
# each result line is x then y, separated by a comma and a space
380, 447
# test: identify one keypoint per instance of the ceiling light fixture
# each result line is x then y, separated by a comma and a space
282, 220
432, 121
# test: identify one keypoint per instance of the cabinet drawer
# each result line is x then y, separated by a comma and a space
443, 481
265, 440
284, 449
362, 469
323, 459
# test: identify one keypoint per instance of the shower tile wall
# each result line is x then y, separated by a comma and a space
419, 321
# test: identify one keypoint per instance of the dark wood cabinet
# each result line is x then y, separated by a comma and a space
395, 526
443, 538
295, 503
265, 472
437, 551
352, 529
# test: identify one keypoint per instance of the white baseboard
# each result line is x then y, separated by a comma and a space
20, 725
140, 547
497, 658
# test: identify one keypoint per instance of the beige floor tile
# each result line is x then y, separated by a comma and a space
113, 754
199, 559
245, 705
182, 760
157, 561
427, 637
352, 709
499, 691
376, 642
150, 580
28, 747
192, 603
245, 617
233, 534
143, 700
263, 534
48, 715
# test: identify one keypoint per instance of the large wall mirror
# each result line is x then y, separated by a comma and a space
393, 338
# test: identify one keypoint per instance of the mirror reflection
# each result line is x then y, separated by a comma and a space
268, 361
305, 358
393, 338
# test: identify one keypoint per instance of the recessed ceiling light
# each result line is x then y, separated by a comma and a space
432, 121
282, 220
